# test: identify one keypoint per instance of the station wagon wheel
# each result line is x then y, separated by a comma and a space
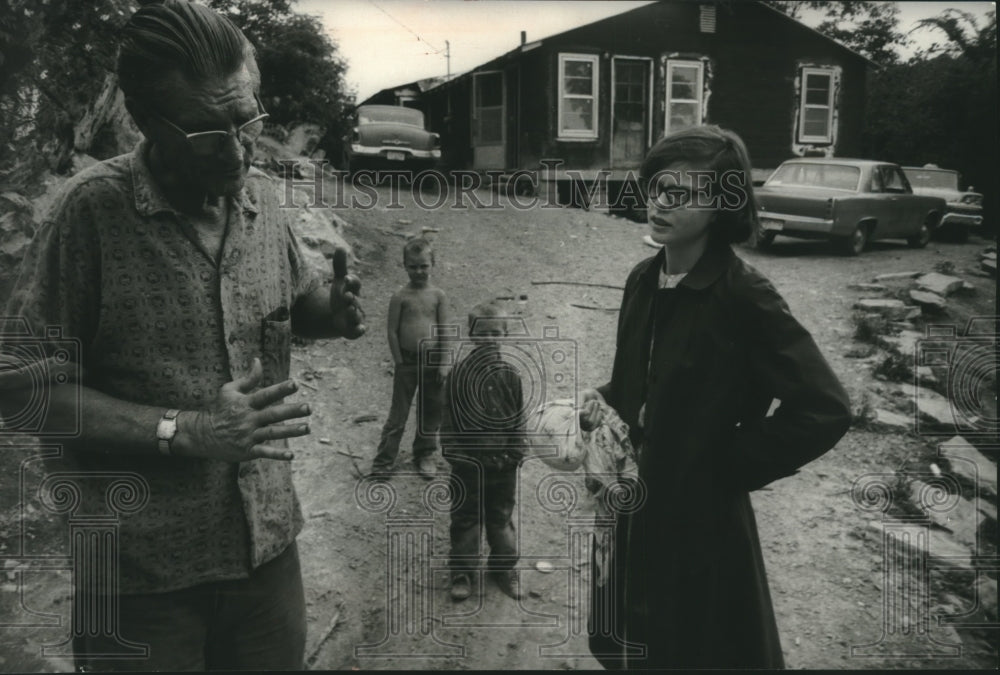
923, 235
856, 242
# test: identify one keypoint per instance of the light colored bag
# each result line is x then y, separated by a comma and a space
606, 455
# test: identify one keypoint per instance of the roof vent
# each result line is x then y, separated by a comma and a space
707, 18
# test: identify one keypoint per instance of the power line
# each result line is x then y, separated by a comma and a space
411, 31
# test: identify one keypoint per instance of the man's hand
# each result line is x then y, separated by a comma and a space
347, 313
591, 413
239, 423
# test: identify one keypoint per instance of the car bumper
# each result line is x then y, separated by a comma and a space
952, 218
394, 153
782, 223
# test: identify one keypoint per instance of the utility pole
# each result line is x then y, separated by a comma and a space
447, 56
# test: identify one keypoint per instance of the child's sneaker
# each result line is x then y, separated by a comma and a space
381, 472
426, 467
508, 582
461, 587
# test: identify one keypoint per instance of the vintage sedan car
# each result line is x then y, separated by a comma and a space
847, 201
964, 209
390, 136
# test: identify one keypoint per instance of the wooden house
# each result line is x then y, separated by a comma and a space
596, 97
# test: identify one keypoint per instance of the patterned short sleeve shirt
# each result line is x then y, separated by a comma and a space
161, 323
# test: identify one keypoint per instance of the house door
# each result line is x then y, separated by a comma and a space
630, 111
488, 115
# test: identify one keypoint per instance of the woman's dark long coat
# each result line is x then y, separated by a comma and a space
689, 587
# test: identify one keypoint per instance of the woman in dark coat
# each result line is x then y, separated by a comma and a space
705, 344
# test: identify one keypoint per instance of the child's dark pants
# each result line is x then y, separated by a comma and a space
488, 500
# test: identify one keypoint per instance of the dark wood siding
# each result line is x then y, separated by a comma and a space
752, 62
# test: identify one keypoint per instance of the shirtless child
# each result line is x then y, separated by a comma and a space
413, 309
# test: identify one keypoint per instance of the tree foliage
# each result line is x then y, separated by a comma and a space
56, 55
870, 27
965, 38
302, 73
941, 106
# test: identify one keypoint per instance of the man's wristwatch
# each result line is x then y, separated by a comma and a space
166, 429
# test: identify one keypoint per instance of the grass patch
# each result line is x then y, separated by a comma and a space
895, 368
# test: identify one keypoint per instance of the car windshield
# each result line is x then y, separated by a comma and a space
926, 178
392, 115
804, 174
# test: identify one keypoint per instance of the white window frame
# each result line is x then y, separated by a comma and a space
579, 134
803, 106
686, 63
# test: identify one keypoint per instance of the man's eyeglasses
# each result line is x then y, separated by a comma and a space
206, 143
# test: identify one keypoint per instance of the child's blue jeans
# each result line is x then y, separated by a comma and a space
405, 382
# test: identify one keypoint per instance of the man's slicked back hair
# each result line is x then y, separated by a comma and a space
177, 35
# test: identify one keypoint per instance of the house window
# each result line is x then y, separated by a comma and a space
685, 93
816, 106
578, 95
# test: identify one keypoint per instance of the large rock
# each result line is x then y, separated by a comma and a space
928, 299
302, 139
15, 201
894, 310
989, 266
869, 288
955, 513
938, 547
932, 406
966, 461
895, 276
16, 230
893, 420
321, 232
942, 284
986, 592
106, 129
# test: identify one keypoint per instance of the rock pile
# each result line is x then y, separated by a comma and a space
988, 261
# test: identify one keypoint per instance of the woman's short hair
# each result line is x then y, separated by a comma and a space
177, 36
721, 151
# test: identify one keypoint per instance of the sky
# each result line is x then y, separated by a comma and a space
391, 42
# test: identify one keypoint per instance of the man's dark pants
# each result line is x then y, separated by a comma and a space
405, 382
246, 624
489, 496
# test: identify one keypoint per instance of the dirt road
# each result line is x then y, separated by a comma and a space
376, 593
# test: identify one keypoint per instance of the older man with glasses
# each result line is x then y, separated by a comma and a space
178, 273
